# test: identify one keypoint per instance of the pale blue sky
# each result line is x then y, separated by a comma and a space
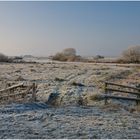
44, 28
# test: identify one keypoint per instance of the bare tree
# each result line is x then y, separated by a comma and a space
69, 52
3, 58
132, 54
59, 57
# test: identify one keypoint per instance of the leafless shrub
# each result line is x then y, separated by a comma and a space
89, 99
131, 55
59, 57
71, 58
68, 54
4, 58
120, 60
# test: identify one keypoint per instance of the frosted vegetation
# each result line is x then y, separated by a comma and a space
68, 101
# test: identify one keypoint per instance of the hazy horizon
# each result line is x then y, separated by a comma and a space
92, 28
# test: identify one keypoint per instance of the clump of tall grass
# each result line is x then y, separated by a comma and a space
88, 99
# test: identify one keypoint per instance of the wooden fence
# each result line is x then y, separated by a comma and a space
17, 92
112, 87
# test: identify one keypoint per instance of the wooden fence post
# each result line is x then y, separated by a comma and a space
34, 92
138, 96
106, 93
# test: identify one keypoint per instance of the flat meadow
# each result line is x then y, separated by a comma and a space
74, 111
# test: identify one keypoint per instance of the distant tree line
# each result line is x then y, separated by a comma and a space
130, 55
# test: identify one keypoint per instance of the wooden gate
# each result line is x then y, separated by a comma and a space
112, 87
17, 93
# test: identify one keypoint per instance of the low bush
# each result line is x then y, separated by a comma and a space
68, 54
59, 57
131, 55
63, 57
4, 58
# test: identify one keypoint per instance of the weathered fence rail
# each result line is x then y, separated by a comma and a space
124, 86
18, 92
122, 89
12, 87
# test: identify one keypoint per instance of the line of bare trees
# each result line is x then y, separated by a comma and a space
130, 55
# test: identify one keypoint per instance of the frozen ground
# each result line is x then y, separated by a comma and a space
37, 120
63, 117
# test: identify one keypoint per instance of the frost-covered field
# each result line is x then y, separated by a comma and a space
65, 116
